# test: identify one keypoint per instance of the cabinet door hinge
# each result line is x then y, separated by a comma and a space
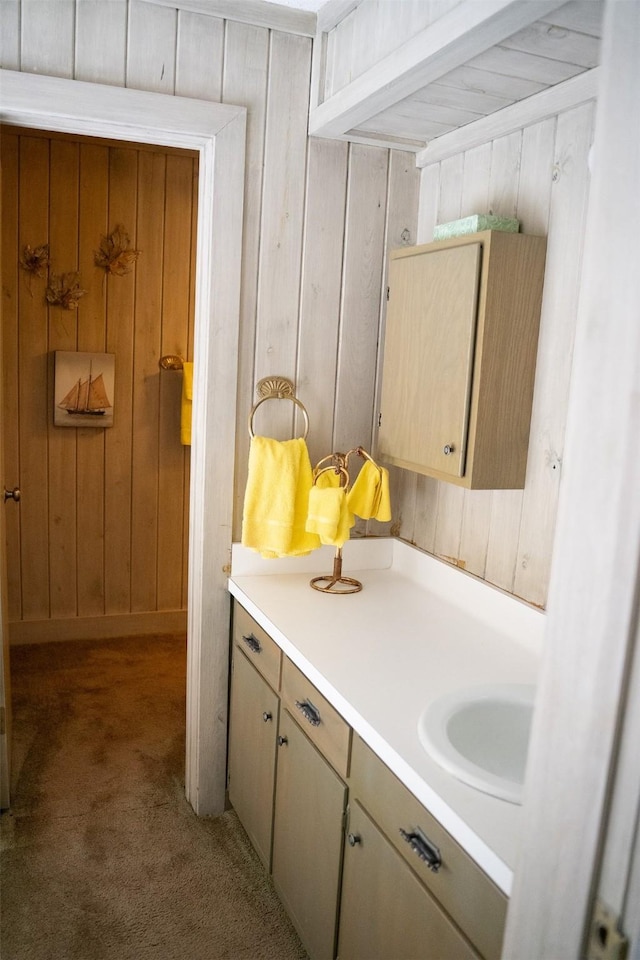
388, 292
379, 419
606, 942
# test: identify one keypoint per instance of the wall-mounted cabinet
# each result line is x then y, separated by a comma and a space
459, 358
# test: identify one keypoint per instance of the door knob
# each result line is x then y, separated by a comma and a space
12, 494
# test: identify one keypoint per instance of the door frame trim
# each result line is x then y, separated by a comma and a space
592, 621
217, 132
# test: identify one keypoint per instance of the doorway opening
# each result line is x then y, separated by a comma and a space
217, 133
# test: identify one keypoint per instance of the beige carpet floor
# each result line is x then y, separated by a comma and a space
102, 857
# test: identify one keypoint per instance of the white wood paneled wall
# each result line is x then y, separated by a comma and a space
319, 219
319, 215
539, 175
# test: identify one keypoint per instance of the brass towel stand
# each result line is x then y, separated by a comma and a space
338, 463
277, 388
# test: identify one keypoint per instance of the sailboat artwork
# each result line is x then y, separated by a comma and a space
84, 386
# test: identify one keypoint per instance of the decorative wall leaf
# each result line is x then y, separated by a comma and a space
35, 260
64, 290
116, 255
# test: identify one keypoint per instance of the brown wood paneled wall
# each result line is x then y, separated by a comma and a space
102, 526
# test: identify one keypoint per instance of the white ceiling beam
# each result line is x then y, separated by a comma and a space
466, 31
547, 103
275, 16
330, 15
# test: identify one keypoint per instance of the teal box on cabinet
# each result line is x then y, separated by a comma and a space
474, 224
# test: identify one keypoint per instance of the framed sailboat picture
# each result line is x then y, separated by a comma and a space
83, 394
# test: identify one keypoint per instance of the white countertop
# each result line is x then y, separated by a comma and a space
418, 629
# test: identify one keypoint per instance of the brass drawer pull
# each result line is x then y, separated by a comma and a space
309, 712
423, 848
252, 642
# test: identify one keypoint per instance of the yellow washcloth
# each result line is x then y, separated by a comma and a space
329, 514
383, 501
363, 493
369, 496
277, 498
185, 406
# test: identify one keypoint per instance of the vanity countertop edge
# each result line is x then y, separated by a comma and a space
418, 629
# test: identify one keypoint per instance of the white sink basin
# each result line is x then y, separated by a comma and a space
481, 736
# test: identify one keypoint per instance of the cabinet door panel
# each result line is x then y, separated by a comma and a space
426, 388
252, 753
307, 839
386, 912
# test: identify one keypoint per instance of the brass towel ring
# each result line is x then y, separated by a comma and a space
277, 388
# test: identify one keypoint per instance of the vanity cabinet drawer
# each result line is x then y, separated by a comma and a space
257, 645
461, 887
320, 721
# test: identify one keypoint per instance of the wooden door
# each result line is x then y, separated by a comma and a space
428, 357
5, 694
385, 910
307, 839
253, 725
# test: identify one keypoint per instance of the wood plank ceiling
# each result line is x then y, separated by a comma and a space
559, 45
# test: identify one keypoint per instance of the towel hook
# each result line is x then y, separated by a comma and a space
277, 388
171, 362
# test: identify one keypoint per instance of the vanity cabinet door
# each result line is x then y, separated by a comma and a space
253, 725
386, 912
308, 839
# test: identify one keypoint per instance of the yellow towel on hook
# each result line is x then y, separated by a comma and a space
186, 403
383, 500
329, 515
369, 496
277, 498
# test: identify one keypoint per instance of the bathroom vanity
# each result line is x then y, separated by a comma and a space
375, 849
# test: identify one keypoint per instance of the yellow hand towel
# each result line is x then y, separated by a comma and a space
185, 406
345, 523
329, 513
369, 496
383, 500
325, 508
364, 492
277, 498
